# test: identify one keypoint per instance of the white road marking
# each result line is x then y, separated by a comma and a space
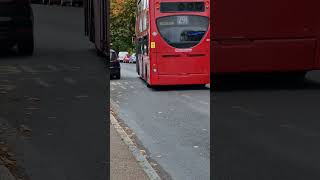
6, 87
42, 82
9, 70
186, 96
70, 80
27, 69
53, 68
203, 102
123, 87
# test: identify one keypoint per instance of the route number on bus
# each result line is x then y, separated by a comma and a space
182, 20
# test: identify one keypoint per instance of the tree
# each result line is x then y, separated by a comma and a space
123, 13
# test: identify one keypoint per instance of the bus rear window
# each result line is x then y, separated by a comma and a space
183, 31
167, 7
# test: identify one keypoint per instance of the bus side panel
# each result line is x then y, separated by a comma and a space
317, 59
265, 35
265, 19
264, 56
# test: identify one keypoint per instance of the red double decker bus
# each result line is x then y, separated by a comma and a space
173, 41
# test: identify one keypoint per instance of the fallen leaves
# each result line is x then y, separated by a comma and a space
25, 130
6, 157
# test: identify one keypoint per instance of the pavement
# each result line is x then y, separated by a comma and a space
124, 165
172, 124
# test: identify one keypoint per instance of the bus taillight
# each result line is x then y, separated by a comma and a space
207, 4
154, 68
157, 5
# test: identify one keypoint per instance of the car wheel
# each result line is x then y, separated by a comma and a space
26, 46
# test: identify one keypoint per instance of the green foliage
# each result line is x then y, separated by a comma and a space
123, 25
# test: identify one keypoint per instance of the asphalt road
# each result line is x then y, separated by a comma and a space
54, 104
266, 128
172, 123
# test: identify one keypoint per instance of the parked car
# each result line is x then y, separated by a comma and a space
16, 26
115, 69
122, 55
126, 58
133, 58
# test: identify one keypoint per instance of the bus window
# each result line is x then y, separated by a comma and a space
145, 4
143, 44
145, 21
138, 47
183, 31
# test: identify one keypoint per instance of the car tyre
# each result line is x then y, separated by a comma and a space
26, 46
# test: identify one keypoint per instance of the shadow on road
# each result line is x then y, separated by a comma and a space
179, 88
8, 53
262, 82
176, 87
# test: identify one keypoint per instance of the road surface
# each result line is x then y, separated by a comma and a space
54, 104
171, 123
266, 128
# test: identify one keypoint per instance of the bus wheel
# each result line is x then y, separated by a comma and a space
299, 76
201, 85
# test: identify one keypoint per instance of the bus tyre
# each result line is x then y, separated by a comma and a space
299, 76
26, 46
202, 85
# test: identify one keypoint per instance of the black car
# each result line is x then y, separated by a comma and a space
114, 65
16, 25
